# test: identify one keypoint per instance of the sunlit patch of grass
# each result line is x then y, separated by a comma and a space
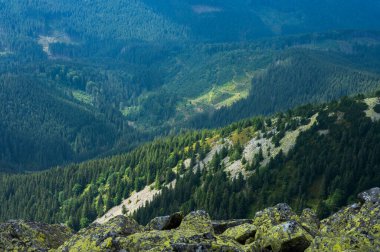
224, 95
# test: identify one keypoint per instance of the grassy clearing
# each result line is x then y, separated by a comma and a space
224, 95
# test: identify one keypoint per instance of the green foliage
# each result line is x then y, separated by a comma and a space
77, 194
377, 108
95, 101
297, 77
322, 172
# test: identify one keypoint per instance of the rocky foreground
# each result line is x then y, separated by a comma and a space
353, 228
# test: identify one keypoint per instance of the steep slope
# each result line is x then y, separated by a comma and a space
142, 90
41, 128
296, 77
326, 154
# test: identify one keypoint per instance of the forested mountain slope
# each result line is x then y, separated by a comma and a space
326, 153
149, 20
300, 76
137, 91
41, 128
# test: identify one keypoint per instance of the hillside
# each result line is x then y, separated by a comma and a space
174, 20
138, 91
295, 77
41, 128
277, 228
142, 69
327, 153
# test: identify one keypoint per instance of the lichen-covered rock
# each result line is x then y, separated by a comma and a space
222, 225
194, 234
355, 242
165, 222
102, 237
360, 217
354, 228
309, 221
32, 236
287, 236
372, 195
177, 240
274, 215
198, 221
241, 233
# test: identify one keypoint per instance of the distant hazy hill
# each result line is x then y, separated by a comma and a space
150, 20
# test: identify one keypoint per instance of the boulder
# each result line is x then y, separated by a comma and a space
309, 221
372, 195
198, 221
241, 233
32, 236
287, 236
194, 234
350, 242
99, 237
222, 225
354, 227
165, 222
274, 215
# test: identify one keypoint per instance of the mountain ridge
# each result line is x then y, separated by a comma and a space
85, 191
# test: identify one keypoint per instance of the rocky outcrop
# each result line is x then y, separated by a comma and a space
353, 228
222, 225
372, 195
31, 236
165, 222
103, 237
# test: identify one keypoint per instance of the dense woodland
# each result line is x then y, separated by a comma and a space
299, 77
128, 93
175, 20
322, 171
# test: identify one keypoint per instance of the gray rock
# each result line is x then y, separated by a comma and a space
372, 195
165, 222
222, 225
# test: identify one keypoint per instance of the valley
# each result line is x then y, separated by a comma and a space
189, 125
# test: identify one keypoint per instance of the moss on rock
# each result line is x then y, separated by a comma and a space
353, 228
241, 233
165, 222
102, 237
287, 236
32, 236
